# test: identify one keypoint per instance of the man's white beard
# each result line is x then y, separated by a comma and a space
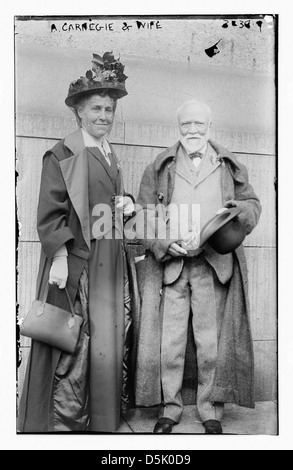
194, 145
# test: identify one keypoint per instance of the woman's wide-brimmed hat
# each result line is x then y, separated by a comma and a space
224, 232
107, 73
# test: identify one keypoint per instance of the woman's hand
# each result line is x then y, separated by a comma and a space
59, 270
126, 203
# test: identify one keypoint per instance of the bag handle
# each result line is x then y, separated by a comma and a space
70, 303
68, 298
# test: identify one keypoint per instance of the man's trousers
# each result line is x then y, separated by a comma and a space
197, 289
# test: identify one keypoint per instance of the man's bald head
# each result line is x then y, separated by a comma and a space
194, 107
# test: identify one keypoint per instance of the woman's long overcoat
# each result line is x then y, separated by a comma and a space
63, 218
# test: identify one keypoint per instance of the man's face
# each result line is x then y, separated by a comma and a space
194, 126
97, 115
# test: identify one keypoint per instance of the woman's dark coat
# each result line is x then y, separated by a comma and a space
62, 218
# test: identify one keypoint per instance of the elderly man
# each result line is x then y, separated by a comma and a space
177, 275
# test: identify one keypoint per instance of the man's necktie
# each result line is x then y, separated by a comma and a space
196, 155
196, 158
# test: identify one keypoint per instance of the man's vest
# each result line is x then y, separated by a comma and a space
199, 188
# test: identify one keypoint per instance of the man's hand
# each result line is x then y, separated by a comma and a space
126, 203
176, 250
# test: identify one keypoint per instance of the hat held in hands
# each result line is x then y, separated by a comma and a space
224, 232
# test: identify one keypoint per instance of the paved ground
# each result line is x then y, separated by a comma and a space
260, 421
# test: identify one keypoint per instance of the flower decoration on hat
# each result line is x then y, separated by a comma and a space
106, 68
107, 73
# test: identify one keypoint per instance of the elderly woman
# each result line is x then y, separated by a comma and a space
80, 175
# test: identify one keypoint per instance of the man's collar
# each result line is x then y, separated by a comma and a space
171, 152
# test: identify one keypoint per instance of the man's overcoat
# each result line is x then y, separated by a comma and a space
234, 379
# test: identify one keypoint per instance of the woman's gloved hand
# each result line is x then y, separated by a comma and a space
59, 269
126, 204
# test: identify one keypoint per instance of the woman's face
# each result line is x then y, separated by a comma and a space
97, 115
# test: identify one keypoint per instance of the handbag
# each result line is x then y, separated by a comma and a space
52, 325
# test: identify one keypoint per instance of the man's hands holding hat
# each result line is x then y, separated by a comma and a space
176, 250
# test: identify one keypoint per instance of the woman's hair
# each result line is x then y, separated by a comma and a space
82, 99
